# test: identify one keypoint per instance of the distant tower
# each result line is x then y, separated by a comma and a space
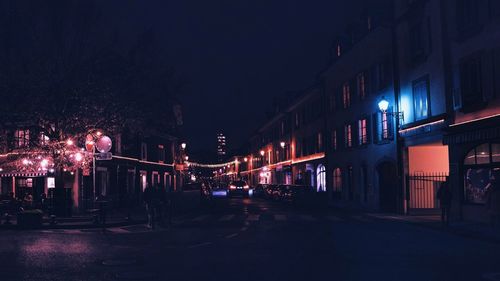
221, 146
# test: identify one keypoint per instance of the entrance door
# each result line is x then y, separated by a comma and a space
387, 176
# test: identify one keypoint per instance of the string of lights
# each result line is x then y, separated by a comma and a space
211, 166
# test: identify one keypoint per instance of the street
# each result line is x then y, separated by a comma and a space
249, 239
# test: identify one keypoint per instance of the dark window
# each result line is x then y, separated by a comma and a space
346, 95
468, 16
361, 85
470, 82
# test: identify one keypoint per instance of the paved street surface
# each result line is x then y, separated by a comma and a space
250, 239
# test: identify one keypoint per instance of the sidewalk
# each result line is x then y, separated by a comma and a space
113, 219
468, 229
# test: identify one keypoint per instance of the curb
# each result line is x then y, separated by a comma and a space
436, 226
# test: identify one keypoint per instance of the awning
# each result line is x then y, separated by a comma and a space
481, 130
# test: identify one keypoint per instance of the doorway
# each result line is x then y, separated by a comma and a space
387, 174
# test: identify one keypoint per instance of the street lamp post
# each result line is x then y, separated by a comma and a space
383, 106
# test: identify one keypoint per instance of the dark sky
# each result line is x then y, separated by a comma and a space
238, 54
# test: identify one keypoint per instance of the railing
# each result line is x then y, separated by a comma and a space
422, 189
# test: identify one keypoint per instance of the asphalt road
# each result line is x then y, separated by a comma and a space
250, 239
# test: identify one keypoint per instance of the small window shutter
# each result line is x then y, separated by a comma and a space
390, 124
368, 131
355, 133
375, 127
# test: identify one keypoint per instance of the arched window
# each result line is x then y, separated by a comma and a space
337, 180
478, 165
321, 178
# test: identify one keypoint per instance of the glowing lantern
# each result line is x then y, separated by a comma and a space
78, 157
383, 105
104, 144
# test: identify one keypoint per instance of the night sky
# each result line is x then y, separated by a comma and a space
237, 55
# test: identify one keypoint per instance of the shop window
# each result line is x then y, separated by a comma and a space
478, 166
495, 152
470, 159
483, 154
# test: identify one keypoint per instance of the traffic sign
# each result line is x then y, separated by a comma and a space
103, 156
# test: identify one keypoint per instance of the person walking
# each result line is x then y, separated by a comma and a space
444, 196
493, 199
149, 196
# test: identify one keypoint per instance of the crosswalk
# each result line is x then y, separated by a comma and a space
223, 219
263, 217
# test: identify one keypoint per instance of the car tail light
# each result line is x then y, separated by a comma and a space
246, 187
232, 186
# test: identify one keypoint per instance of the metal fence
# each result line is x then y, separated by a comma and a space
422, 189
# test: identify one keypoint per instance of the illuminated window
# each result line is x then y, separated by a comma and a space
346, 95
361, 82
321, 178
22, 138
362, 132
161, 154
385, 126
421, 98
337, 180
334, 139
320, 142
44, 139
348, 135
339, 50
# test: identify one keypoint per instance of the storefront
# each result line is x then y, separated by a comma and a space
474, 154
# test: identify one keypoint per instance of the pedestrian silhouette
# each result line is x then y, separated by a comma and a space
445, 196
149, 196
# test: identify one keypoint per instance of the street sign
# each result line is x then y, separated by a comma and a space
103, 156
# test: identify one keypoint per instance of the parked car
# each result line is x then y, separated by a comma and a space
260, 190
238, 188
297, 194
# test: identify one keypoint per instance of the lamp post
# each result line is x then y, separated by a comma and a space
383, 106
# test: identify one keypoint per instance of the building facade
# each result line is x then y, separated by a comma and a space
136, 162
473, 138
